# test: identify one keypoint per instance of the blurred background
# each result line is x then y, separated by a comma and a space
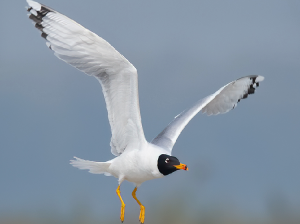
243, 165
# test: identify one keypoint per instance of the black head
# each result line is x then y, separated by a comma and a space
167, 164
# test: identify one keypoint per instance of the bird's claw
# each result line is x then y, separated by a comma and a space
142, 214
122, 213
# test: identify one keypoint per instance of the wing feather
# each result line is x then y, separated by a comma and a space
222, 101
92, 55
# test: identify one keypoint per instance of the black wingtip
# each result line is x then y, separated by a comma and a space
39, 26
44, 10
251, 89
35, 18
44, 35
245, 96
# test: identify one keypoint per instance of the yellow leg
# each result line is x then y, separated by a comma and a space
142, 208
122, 204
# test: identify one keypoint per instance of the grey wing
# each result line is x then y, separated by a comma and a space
222, 101
92, 55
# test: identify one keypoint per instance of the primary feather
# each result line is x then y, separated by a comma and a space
222, 101
94, 56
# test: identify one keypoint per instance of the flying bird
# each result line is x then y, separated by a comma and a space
136, 159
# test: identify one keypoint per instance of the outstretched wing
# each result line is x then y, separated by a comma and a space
92, 55
220, 102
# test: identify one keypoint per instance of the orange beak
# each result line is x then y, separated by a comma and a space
181, 167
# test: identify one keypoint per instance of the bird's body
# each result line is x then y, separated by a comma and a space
134, 165
141, 164
136, 159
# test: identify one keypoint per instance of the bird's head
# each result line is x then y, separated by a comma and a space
168, 164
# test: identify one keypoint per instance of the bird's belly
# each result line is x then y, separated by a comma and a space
138, 177
134, 168
132, 173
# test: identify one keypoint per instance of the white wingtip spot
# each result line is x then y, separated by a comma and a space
32, 11
37, 6
259, 79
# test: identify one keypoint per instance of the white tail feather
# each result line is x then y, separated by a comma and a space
93, 167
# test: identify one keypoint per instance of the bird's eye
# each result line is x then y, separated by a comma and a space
167, 160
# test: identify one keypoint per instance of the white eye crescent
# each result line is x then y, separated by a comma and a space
167, 160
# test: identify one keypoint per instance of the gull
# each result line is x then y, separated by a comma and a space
137, 160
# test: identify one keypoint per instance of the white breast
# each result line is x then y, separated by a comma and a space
137, 165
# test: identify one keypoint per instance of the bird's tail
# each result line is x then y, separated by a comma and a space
93, 167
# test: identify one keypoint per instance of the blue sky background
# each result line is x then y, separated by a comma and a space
183, 51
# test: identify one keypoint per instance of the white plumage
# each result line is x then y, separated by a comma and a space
222, 101
137, 160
